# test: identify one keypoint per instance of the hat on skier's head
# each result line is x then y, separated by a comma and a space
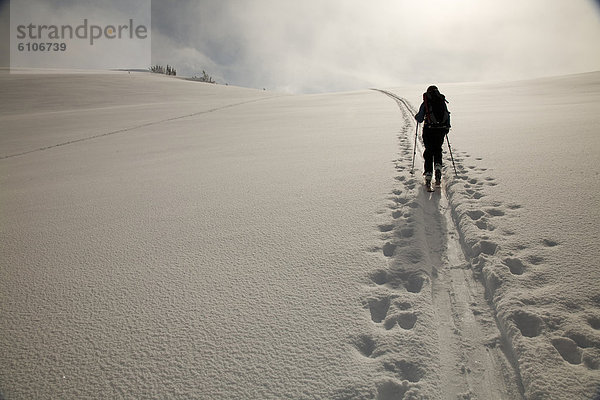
432, 89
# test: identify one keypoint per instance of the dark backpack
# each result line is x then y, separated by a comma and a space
436, 111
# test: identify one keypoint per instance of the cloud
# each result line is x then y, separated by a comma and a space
325, 45
318, 45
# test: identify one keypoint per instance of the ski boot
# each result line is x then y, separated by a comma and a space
428, 181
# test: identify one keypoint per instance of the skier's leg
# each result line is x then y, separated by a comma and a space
437, 156
437, 147
428, 154
428, 157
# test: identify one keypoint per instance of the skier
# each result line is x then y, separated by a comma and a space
434, 112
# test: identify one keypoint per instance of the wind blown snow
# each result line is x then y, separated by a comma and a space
171, 239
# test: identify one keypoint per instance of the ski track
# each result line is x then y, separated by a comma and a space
428, 286
131, 128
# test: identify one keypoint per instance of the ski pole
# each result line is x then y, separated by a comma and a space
451, 156
415, 149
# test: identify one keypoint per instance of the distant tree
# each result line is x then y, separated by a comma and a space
159, 69
204, 78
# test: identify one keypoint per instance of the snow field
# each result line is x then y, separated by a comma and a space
163, 238
216, 255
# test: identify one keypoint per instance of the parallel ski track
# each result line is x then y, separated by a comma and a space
473, 364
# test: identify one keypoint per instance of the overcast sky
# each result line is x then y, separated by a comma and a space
325, 45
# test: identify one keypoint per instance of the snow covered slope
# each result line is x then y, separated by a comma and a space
527, 205
172, 239
163, 238
534, 201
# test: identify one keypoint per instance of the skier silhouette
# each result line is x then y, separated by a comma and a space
435, 114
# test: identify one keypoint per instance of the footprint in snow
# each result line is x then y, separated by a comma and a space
568, 350
390, 389
594, 322
412, 282
397, 214
380, 277
484, 225
529, 324
535, 260
406, 320
401, 200
379, 308
386, 227
475, 214
550, 243
495, 212
403, 305
515, 265
485, 247
406, 232
405, 370
388, 249
365, 345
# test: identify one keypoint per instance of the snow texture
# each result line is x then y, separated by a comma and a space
162, 238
